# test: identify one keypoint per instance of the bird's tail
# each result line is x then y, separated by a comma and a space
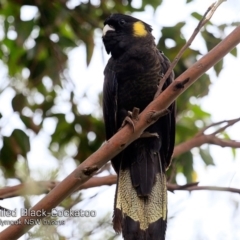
140, 217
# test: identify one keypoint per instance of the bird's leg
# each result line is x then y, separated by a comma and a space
148, 134
130, 118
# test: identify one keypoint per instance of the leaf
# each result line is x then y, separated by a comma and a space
234, 152
195, 14
64, 131
8, 157
226, 136
66, 42
173, 33
206, 157
24, 29
28, 121
184, 129
18, 102
37, 72
218, 67
89, 49
153, 3
13, 56
198, 112
17, 143
185, 165
22, 140
210, 39
234, 52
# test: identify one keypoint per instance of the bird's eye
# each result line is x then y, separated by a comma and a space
122, 22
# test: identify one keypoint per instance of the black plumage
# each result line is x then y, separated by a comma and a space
131, 80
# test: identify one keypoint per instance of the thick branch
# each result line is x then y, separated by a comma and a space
125, 136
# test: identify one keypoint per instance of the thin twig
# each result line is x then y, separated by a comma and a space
206, 17
175, 187
198, 141
229, 123
213, 9
97, 182
201, 138
223, 142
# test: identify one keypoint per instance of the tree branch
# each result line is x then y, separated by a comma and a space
46, 186
194, 187
125, 136
201, 138
41, 187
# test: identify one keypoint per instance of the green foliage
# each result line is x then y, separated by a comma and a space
14, 145
206, 157
185, 165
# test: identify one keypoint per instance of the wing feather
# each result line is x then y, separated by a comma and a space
168, 121
110, 101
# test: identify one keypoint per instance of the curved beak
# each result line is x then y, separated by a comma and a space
107, 28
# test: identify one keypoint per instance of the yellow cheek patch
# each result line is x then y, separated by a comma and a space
139, 29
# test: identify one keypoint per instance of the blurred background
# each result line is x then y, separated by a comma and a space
51, 75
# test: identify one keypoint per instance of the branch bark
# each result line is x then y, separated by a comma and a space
125, 136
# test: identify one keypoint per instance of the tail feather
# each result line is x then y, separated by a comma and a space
142, 174
140, 210
154, 231
141, 218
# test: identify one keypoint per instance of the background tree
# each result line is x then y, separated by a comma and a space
48, 106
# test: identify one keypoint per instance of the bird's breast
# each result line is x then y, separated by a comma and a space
137, 82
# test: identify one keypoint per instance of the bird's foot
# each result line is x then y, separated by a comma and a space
148, 134
130, 118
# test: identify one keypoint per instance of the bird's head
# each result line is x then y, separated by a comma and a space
121, 32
